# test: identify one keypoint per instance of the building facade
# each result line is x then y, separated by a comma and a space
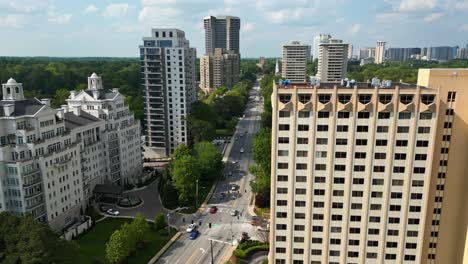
221, 32
319, 39
368, 174
294, 63
380, 52
365, 53
332, 61
219, 69
168, 69
401, 54
122, 130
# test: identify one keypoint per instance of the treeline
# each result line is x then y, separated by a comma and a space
178, 182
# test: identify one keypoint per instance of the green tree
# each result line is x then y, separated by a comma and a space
200, 130
209, 160
160, 221
59, 98
179, 152
117, 248
261, 148
185, 172
140, 228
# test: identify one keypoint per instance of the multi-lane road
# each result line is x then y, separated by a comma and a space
224, 227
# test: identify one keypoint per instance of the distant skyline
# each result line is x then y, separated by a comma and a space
114, 28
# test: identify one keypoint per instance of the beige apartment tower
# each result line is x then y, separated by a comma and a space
374, 173
380, 52
332, 61
219, 69
294, 64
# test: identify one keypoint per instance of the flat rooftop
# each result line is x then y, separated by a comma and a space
359, 85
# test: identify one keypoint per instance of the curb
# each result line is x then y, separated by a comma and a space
165, 248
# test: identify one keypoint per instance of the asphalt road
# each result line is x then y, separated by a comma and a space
224, 227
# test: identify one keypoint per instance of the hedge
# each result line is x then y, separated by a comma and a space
239, 253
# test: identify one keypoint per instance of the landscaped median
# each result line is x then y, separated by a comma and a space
246, 249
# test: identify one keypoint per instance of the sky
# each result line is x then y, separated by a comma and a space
82, 28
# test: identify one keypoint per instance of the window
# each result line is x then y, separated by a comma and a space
343, 114
425, 115
300, 191
283, 153
283, 140
376, 194
362, 129
341, 141
360, 155
365, 98
304, 114
373, 231
337, 205
396, 195
322, 141
357, 193
385, 98
320, 154
303, 127
280, 250
300, 203
403, 129
316, 240
299, 215
381, 142
316, 216
380, 155
301, 178
339, 167
401, 143
281, 226
400, 156
338, 193
320, 167
354, 230
340, 155
413, 221
281, 214
335, 241
282, 178
374, 219
282, 190
322, 127
393, 220
398, 169
298, 251
422, 143
355, 218
358, 181
304, 98
384, 115
363, 115
382, 129
284, 98
324, 98
323, 114
356, 206
281, 238
302, 141
342, 128
375, 207
416, 196
427, 99
281, 203
419, 170
451, 96
395, 208
372, 243
301, 166
299, 239
282, 165
424, 130
283, 127
338, 180
377, 181
359, 168
344, 98
301, 153
404, 115
406, 98
392, 245
284, 113
361, 142
379, 168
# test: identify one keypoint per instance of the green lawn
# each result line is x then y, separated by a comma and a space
91, 247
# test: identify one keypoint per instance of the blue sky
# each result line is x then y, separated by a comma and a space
115, 28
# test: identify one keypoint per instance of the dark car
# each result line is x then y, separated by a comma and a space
104, 208
194, 234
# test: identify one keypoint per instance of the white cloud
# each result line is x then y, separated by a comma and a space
116, 10
159, 15
462, 5
390, 17
354, 29
13, 21
23, 6
432, 17
248, 27
91, 9
58, 19
463, 28
416, 5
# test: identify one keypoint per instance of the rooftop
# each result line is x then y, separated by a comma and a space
359, 85
22, 107
103, 95
73, 121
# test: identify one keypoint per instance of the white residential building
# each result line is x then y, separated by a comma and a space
319, 39
332, 61
40, 163
122, 130
380, 52
294, 63
168, 69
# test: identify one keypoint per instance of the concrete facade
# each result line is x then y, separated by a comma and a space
221, 32
219, 69
332, 61
370, 174
380, 52
294, 63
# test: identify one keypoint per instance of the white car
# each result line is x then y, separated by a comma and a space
191, 228
242, 150
113, 212
233, 187
234, 161
233, 212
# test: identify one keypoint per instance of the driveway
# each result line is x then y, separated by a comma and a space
151, 203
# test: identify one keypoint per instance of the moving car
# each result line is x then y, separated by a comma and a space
191, 228
213, 209
242, 150
113, 212
194, 234
234, 162
104, 208
233, 212
233, 187
230, 173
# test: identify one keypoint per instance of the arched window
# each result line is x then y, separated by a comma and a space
8, 91
17, 89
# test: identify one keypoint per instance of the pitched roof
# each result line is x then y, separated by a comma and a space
102, 94
22, 107
72, 121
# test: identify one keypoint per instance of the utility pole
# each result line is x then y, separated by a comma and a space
212, 257
196, 194
168, 224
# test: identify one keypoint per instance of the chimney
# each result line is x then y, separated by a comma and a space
65, 108
72, 94
8, 109
95, 94
46, 101
115, 90
77, 110
60, 113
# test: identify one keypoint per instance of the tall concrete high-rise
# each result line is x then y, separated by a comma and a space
221, 32
319, 39
350, 51
380, 52
401, 54
370, 173
219, 69
168, 69
442, 53
294, 64
277, 68
366, 53
332, 61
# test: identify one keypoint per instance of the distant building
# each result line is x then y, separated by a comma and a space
462, 53
277, 69
294, 64
380, 52
332, 61
221, 68
168, 70
442, 53
401, 54
350, 51
366, 61
319, 39
221, 32
365, 53
261, 63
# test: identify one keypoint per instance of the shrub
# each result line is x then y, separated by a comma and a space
160, 221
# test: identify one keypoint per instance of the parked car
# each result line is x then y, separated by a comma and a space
213, 209
230, 173
191, 228
242, 150
233, 212
233, 187
113, 212
104, 208
194, 234
234, 162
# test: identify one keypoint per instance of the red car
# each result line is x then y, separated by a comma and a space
213, 209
